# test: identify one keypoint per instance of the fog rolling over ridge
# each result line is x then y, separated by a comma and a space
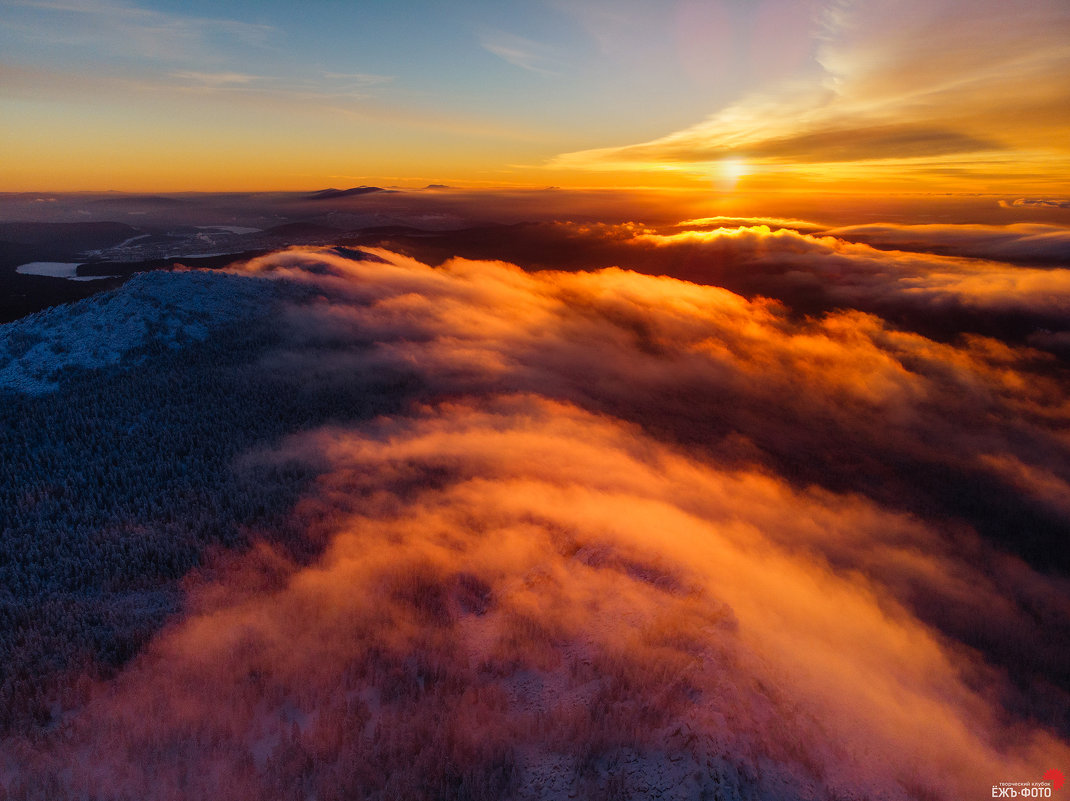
605, 400
792, 528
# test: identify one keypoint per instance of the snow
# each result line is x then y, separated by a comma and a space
170, 308
57, 269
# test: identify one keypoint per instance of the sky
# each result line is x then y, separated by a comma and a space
739, 467
160, 95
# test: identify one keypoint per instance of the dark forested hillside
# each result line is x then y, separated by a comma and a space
114, 486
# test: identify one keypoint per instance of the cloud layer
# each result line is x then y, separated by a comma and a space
633, 534
938, 279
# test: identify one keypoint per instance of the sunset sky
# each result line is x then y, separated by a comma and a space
677, 406
729, 95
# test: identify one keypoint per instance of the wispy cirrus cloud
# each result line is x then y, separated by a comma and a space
519, 51
909, 85
326, 87
113, 28
361, 78
328, 92
318, 95
218, 78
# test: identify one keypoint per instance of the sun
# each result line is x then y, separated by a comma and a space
727, 173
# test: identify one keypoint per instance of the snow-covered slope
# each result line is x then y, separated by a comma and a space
168, 308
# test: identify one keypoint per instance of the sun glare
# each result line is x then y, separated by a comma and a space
728, 172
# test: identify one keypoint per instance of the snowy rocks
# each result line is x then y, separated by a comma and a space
168, 309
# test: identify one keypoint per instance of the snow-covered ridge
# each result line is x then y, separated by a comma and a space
170, 308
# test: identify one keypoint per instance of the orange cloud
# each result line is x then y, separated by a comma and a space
531, 620
1020, 242
865, 274
632, 534
932, 89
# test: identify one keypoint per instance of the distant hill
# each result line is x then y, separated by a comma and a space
67, 236
141, 200
334, 194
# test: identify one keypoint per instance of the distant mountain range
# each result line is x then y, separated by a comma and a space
334, 194
141, 201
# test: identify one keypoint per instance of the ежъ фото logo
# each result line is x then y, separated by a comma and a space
1052, 780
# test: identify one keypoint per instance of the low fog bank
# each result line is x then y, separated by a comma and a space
623, 534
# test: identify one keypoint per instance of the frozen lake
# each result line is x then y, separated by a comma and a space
57, 269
